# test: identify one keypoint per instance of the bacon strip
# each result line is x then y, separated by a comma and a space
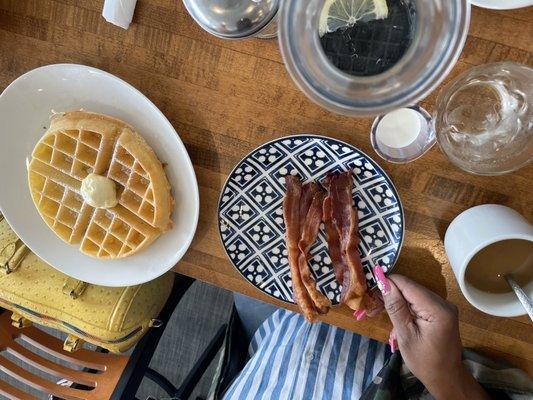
375, 304
334, 245
291, 214
345, 222
308, 193
308, 235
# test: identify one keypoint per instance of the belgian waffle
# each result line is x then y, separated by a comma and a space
79, 143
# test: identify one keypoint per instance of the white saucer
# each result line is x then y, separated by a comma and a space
502, 4
25, 108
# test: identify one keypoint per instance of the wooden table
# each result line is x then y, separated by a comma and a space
227, 97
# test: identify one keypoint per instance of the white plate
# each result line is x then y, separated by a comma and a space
25, 108
502, 4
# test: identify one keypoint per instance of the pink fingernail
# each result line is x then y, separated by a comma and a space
359, 314
393, 342
382, 281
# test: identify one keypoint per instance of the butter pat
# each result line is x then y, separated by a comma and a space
99, 191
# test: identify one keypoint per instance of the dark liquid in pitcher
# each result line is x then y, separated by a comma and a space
370, 48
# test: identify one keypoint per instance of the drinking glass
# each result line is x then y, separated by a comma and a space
440, 28
484, 119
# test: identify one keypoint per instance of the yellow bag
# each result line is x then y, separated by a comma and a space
112, 318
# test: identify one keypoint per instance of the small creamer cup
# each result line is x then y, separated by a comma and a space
472, 231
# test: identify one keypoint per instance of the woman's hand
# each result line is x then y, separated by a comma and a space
427, 330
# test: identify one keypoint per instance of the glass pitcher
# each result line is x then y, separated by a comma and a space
439, 30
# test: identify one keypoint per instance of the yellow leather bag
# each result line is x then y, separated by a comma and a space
112, 318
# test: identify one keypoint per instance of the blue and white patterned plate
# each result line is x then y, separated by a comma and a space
251, 216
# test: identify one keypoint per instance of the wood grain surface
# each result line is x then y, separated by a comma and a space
227, 97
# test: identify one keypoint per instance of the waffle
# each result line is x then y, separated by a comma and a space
79, 143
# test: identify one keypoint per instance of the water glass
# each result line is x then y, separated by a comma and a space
484, 119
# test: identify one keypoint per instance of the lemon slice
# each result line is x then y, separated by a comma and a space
339, 14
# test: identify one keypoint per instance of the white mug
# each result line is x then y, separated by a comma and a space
475, 229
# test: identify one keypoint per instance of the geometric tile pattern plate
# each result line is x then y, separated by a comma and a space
250, 212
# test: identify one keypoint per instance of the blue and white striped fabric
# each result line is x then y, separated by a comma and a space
294, 360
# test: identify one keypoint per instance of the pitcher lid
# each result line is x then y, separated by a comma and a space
232, 19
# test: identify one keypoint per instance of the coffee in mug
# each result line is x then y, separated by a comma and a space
487, 269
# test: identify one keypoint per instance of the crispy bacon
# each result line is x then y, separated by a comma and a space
308, 193
334, 245
342, 220
291, 214
375, 304
308, 235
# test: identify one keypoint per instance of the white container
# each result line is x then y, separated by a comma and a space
475, 229
403, 135
119, 12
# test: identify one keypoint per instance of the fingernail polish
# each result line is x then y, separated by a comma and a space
393, 342
393, 345
382, 281
359, 315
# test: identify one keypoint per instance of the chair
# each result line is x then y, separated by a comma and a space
138, 365
97, 375
228, 340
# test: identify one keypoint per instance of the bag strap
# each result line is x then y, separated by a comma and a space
12, 255
74, 288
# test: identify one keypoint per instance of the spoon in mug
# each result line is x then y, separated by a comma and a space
522, 296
